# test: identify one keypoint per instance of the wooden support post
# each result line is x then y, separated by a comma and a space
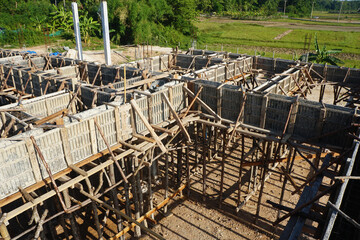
186, 134
179, 166
265, 159
126, 166
222, 168
124, 84
240, 169
3, 229
150, 191
290, 154
238, 122
147, 125
192, 102
73, 223
188, 183
113, 196
4, 134
204, 148
166, 179
40, 225
196, 136
96, 219
110, 151
204, 105
136, 204
122, 214
41, 156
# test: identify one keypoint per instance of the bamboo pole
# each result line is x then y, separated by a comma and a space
102, 203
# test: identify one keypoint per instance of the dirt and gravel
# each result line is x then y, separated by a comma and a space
118, 56
193, 217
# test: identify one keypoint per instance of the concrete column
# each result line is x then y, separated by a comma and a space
105, 27
74, 8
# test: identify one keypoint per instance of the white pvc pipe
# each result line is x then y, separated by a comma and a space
105, 28
74, 8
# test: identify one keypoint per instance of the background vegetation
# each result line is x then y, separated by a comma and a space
178, 22
137, 21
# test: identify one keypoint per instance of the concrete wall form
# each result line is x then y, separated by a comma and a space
222, 71
331, 73
280, 84
153, 64
270, 111
77, 140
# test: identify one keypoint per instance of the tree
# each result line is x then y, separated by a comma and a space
38, 22
322, 55
88, 27
61, 19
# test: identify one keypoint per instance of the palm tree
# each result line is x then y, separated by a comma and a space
88, 27
322, 55
38, 22
62, 19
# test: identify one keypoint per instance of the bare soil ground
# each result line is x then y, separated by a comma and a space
123, 55
198, 218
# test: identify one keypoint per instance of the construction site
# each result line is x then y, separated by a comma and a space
193, 144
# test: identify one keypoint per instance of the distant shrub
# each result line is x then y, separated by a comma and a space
19, 37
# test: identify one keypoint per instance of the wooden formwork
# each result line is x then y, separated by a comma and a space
110, 158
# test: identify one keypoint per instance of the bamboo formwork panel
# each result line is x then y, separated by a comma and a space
222, 71
77, 140
43, 106
4, 53
270, 111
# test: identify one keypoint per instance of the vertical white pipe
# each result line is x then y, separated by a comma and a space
105, 27
74, 8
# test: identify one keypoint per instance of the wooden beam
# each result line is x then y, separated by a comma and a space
162, 129
238, 122
130, 146
176, 116
204, 105
289, 177
12, 109
8, 127
62, 112
192, 102
147, 125
144, 138
78, 170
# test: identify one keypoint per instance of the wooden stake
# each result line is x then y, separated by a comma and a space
204, 147
186, 134
222, 169
110, 151
147, 125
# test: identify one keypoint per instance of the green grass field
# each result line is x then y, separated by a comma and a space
343, 16
250, 37
316, 22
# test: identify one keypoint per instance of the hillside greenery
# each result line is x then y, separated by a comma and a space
163, 22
